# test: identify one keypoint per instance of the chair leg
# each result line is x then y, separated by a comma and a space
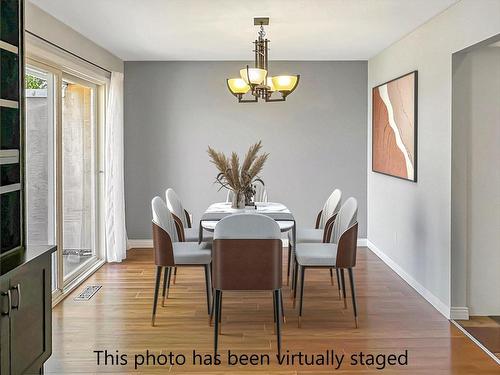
338, 282
289, 264
166, 274
274, 307
220, 312
157, 289
175, 275
294, 282
294, 269
212, 308
207, 285
277, 312
282, 308
216, 324
170, 271
331, 275
343, 287
353, 294
302, 277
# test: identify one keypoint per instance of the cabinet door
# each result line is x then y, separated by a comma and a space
31, 318
4, 328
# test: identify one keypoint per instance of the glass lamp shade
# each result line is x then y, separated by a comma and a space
284, 83
237, 86
254, 76
269, 83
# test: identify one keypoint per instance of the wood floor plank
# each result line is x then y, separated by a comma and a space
392, 316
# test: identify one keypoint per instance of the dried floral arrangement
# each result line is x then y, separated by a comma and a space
240, 180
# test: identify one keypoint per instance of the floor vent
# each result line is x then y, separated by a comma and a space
88, 292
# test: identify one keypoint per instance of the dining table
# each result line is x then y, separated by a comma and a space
277, 211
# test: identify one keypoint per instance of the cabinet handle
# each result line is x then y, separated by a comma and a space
9, 297
17, 288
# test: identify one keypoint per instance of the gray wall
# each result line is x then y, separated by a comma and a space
476, 181
174, 110
410, 223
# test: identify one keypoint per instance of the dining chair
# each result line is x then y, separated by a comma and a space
339, 253
183, 224
322, 230
169, 252
247, 255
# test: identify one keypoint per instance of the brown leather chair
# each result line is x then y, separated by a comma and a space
169, 252
339, 253
247, 255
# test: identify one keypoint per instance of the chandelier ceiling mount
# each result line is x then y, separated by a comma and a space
257, 80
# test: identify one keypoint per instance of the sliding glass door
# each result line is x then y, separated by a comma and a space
79, 174
41, 97
62, 170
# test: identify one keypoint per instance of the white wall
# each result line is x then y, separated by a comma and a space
46, 26
410, 223
476, 131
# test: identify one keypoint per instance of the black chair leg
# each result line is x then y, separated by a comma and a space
282, 308
212, 308
220, 311
355, 308
216, 324
289, 263
343, 287
294, 282
294, 269
338, 282
302, 277
170, 271
331, 275
157, 289
166, 271
274, 307
207, 285
175, 275
277, 312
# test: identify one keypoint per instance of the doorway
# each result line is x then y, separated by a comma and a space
476, 193
63, 136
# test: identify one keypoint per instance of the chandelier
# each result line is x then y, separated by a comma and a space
257, 80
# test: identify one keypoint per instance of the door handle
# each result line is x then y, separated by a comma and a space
17, 288
9, 298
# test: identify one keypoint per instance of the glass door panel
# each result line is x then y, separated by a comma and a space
40, 160
78, 175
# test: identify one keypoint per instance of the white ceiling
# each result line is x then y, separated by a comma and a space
223, 29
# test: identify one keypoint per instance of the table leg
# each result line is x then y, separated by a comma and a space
200, 233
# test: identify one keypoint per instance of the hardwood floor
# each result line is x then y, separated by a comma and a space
392, 317
486, 329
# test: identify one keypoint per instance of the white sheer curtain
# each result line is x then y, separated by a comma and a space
114, 200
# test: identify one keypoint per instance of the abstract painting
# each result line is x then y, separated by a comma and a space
394, 127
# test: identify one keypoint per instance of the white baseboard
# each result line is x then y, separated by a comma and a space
137, 244
362, 242
424, 292
459, 313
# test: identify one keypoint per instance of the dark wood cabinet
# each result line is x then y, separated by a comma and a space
26, 308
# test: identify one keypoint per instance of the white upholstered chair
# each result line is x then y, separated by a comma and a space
182, 218
247, 255
169, 252
339, 252
322, 229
